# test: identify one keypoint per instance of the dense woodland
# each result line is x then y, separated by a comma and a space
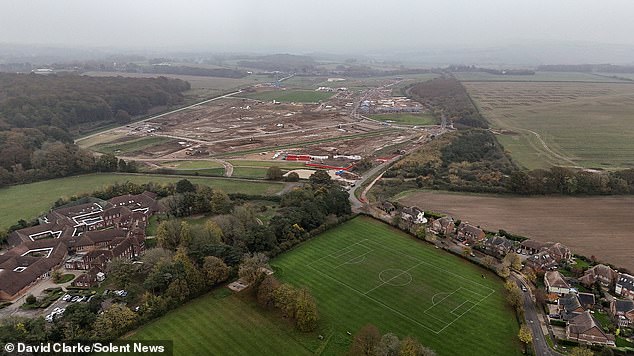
446, 96
39, 115
68, 101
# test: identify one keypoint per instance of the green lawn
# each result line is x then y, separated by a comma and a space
222, 324
360, 272
27, 201
285, 96
131, 146
406, 119
250, 172
191, 165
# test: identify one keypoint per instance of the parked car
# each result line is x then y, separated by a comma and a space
67, 297
75, 299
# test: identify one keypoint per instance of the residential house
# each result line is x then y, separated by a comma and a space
444, 226
586, 300
470, 233
625, 285
623, 311
413, 215
545, 256
599, 273
531, 247
498, 246
555, 283
584, 329
569, 306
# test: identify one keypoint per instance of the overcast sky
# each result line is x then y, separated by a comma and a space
307, 25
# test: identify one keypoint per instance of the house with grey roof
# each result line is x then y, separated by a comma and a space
624, 285
623, 311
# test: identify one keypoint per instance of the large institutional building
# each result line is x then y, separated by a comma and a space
81, 236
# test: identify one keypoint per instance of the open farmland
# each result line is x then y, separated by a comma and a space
569, 124
360, 272
600, 226
537, 77
27, 201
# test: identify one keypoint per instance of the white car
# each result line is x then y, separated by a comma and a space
67, 297
75, 299
56, 310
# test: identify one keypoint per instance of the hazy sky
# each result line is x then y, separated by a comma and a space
306, 25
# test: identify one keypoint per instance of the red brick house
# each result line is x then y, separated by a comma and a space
586, 330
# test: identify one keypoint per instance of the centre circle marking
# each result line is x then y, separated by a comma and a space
395, 277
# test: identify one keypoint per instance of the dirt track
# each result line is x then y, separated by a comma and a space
599, 226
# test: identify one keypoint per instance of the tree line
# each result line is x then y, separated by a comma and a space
368, 341
446, 96
474, 161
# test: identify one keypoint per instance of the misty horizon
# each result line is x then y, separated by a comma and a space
282, 26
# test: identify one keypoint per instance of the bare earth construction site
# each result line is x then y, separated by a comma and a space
328, 133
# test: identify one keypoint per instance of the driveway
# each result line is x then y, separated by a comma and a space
37, 290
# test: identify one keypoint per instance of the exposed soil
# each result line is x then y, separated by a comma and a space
599, 226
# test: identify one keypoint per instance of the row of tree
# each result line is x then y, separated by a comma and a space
446, 96
567, 181
295, 303
368, 341
21, 163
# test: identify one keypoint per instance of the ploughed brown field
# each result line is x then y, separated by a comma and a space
599, 226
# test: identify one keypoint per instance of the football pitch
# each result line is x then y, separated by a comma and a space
366, 272
428, 296
361, 272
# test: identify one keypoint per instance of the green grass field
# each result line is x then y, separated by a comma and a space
223, 324
587, 125
132, 145
360, 272
27, 201
406, 119
191, 165
286, 96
